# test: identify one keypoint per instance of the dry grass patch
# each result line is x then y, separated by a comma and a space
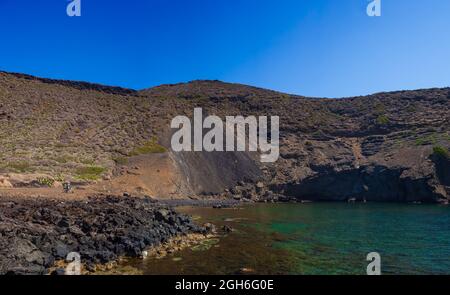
150, 147
90, 173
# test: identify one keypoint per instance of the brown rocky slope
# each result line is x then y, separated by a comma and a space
382, 147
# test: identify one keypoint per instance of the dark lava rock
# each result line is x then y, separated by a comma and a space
162, 214
227, 229
100, 230
64, 222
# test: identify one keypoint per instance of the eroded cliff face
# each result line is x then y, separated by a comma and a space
325, 169
442, 166
374, 148
212, 173
409, 176
370, 169
368, 183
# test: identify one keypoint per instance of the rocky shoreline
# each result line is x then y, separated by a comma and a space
36, 234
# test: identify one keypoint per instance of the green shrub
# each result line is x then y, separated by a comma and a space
430, 139
440, 151
47, 181
59, 177
150, 147
421, 141
382, 120
90, 172
379, 108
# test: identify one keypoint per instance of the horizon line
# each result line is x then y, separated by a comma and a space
133, 90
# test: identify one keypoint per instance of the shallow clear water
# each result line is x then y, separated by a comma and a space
318, 238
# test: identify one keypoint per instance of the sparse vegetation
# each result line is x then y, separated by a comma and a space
150, 147
441, 152
446, 137
59, 177
64, 159
427, 140
421, 141
47, 181
90, 172
380, 108
383, 120
411, 108
21, 166
87, 161
121, 160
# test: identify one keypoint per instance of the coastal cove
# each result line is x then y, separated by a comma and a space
316, 238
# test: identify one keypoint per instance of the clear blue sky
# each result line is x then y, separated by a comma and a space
310, 47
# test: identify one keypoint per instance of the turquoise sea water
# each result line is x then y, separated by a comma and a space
318, 238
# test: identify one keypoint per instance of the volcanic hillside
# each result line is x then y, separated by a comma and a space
387, 146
